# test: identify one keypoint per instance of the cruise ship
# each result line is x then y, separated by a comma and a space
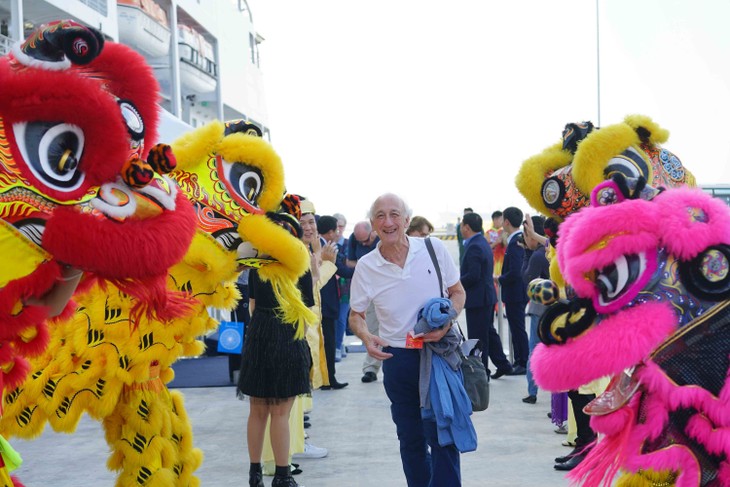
204, 52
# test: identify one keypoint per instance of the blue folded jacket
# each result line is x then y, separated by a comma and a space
436, 313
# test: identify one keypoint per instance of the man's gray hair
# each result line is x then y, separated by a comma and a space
339, 217
406, 209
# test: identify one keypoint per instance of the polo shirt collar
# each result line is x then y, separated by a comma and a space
414, 248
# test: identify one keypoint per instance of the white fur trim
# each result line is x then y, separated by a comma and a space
32, 62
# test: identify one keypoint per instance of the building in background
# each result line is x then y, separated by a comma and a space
204, 52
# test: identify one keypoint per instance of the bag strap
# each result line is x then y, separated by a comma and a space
435, 261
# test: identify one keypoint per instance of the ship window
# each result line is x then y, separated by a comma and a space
253, 49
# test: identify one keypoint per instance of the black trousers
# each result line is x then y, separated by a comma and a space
328, 331
480, 324
516, 318
582, 421
242, 315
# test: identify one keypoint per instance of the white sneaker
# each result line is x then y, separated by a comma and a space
311, 451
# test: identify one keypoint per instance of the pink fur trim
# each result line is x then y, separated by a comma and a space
717, 409
716, 440
595, 237
723, 474
618, 421
685, 237
605, 459
607, 348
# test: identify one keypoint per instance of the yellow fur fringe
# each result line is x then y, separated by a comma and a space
532, 173
647, 478
597, 149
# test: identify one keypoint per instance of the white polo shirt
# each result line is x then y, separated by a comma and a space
396, 293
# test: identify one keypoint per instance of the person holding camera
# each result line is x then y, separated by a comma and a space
514, 293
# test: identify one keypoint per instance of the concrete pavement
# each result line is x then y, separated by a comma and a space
516, 441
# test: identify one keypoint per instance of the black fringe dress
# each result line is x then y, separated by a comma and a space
274, 366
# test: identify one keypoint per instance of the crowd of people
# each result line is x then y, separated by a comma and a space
373, 284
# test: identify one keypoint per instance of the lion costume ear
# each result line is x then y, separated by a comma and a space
531, 176
195, 146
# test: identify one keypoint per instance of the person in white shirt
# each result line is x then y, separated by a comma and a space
398, 278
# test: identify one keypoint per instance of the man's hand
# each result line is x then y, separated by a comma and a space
436, 335
329, 252
374, 345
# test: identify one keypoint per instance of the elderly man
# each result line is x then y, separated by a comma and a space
398, 278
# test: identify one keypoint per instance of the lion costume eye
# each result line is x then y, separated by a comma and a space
629, 163
52, 151
132, 119
245, 180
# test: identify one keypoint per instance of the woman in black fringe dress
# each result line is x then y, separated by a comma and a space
274, 370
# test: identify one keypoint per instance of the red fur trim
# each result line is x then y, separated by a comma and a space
154, 299
617, 342
131, 78
685, 237
136, 249
37, 345
35, 94
73, 96
34, 285
15, 376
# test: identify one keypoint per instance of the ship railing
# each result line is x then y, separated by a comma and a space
5, 44
190, 55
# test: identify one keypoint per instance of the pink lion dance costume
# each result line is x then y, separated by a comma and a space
652, 279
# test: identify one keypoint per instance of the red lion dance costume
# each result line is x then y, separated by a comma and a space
77, 119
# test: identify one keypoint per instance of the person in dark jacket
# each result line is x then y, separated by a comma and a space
514, 292
477, 269
330, 300
535, 266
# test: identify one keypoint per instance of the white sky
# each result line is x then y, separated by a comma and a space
441, 101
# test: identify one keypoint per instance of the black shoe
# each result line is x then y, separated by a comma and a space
325, 388
369, 377
518, 370
307, 424
295, 470
255, 479
338, 385
572, 462
500, 372
529, 399
574, 452
284, 482
306, 417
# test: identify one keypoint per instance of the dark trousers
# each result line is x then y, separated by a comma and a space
480, 324
516, 319
328, 331
582, 421
440, 467
242, 315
